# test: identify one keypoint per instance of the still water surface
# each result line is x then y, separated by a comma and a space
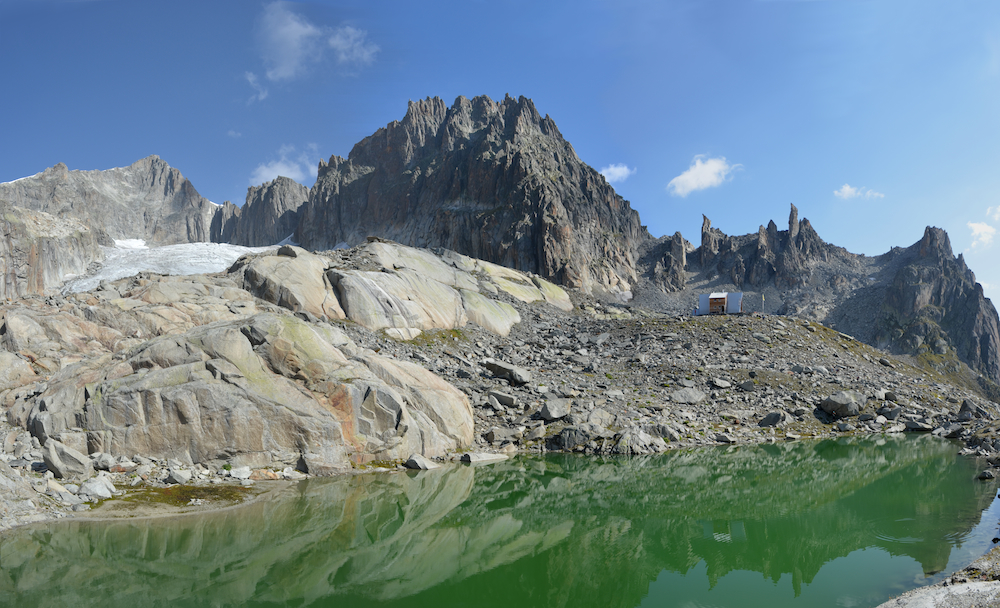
847, 522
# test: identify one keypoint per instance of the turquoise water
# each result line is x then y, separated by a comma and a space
847, 522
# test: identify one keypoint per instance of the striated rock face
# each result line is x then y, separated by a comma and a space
37, 250
147, 200
489, 179
269, 216
934, 302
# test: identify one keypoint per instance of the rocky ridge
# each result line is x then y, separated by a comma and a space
294, 361
928, 303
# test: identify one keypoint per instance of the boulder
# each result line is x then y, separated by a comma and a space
419, 462
482, 457
772, 419
687, 395
178, 476
512, 373
843, 404
554, 409
65, 462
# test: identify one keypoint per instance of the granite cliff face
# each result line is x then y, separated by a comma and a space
37, 251
270, 215
489, 179
147, 200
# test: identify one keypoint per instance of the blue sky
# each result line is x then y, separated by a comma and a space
875, 118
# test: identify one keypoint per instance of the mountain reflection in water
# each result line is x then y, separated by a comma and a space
558, 530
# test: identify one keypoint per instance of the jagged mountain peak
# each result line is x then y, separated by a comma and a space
491, 179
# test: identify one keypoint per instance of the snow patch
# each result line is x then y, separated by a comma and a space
131, 256
130, 244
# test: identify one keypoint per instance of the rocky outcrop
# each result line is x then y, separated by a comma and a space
269, 216
400, 290
38, 251
492, 180
147, 200
934, 304
269, 390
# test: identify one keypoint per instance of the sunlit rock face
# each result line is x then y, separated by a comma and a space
38, 251
594, 532
147, 200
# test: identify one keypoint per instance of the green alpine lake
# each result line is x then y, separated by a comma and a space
839, 522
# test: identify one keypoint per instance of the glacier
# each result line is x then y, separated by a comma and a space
131, 256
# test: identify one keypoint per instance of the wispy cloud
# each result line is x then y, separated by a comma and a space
982, 234
993, 213
290, 43
261, 92
290, 163
847, 191
617, 173
703, 173
234, 134
352, 47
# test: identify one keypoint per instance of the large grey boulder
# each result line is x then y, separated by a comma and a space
65, 462
843, 404
508, 371
554, 409
687, 395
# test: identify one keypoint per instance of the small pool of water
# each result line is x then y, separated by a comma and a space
847, 522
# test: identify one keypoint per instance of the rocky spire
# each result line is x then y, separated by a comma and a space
793, 225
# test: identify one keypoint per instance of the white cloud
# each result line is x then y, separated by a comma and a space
982, 234
261, 93
847, 191
617, 173
993, 213
290, 43
351, 46
234, 134
290, 163
703, 173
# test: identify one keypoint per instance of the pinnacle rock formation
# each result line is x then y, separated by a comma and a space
147, 200
489, 179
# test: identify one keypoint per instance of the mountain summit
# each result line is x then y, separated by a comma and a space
489, 179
